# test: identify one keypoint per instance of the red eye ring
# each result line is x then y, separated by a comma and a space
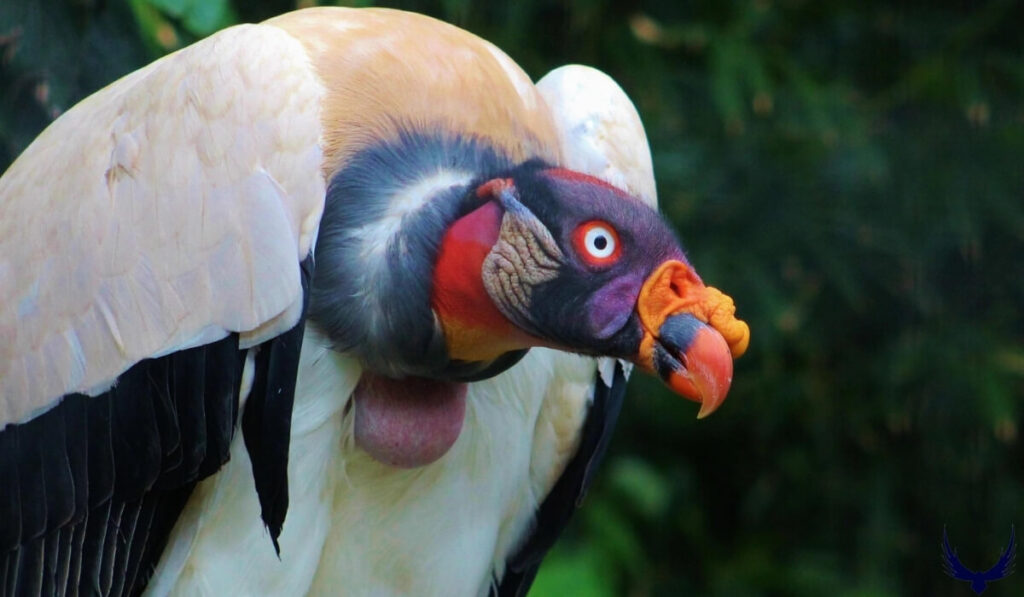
597, 243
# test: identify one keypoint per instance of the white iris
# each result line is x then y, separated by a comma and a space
599, 242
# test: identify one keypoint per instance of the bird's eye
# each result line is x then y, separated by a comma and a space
597, 243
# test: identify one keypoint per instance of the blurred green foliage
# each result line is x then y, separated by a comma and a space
852, 173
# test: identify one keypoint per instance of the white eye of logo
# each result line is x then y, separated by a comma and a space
599, 241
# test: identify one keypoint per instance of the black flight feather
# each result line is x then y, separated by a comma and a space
5, 566
266, 422
223, 375
75, 545
188, 383
165, 414
134, 432
100, 449
76, 440
51, 554
10, 497
56, 473
30, 480
30, 568
64, 538
123, 540
91, 564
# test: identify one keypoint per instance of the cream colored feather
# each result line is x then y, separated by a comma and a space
599, 129
160, 213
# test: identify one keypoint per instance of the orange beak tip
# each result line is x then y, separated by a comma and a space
710, 402
705, 371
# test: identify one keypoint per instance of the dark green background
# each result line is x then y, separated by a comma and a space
852, 173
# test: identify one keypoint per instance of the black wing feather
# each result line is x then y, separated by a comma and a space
51, 554
135, 438
10, 498
75, 546
5, 567
267, 420
30, 481
141, 536
190, 393
100, 449
91, 555
570, 489
30, 569
65, 537
93, 487
223, 373
165, 414
76, 441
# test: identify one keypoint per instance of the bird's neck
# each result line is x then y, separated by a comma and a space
386, 213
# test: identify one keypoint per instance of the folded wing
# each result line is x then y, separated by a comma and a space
148, 238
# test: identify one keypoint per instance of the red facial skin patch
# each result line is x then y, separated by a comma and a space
474, 328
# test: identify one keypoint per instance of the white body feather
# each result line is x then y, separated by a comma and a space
358, 527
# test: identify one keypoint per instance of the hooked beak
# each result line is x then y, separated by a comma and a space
691, 335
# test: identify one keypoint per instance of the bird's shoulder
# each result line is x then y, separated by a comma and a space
177, 205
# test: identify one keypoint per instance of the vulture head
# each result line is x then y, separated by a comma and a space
454, 282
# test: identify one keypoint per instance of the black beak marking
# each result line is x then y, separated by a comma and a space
674, 339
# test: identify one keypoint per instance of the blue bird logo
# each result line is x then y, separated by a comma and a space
979, 580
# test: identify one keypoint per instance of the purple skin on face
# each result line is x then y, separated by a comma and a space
610, 307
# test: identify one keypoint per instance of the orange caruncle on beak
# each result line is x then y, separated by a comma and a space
691, 334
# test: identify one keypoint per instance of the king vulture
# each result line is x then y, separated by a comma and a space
366, 240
